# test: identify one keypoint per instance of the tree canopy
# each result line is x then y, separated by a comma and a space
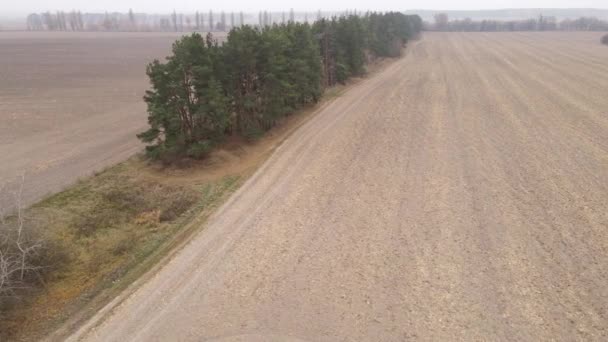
205, 91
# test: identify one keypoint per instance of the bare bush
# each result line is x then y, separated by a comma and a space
20, 249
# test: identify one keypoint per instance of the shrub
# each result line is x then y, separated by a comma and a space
605, 39
200, 149
139, 202
24, 252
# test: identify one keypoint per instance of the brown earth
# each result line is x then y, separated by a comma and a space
460, 194
71, 104
101, 251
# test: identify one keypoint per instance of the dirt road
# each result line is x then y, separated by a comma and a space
461, 194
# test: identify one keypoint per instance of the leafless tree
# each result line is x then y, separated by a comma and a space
441, 21
34, 22
211, 23
174, 20
107, 22
132, 20
223, 21
188, 23
80, 21
267, 19
18, 247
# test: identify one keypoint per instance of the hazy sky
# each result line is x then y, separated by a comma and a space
23, 6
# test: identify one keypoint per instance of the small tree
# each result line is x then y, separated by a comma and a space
132, 20
20, 249
441, 21
222, 25
174, 20
80, 21
34, 22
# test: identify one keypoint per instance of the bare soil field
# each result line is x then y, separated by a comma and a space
460, 194
71, 103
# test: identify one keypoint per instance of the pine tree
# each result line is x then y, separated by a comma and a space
273, 66
304, 69
243, 77
187, 108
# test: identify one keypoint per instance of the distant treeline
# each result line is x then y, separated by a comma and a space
176, 22
442, 23
207, 21
206, 91
509, 14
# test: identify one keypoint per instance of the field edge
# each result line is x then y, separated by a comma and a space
109, 297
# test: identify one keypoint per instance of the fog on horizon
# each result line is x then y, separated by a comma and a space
155, 6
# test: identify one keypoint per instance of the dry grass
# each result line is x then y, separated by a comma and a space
104, 226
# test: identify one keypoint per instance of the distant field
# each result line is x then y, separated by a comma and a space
71, 103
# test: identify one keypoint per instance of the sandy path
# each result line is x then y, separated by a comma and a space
461, 194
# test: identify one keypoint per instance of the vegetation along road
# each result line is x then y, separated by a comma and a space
460, 194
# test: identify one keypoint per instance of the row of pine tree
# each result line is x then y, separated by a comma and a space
206, 90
